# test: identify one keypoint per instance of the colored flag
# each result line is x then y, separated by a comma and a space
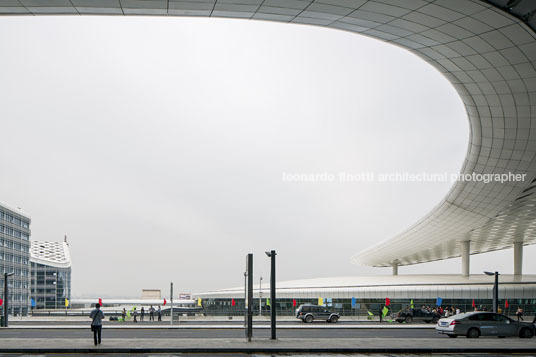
293, 302
128, 313
320, 301
233, 303
370, 313
268, 302
439, 301
353, 302
387, 302
32, 302
411, 304
66, 302
385, 310
199, 302
165, 301
474, 305
2, 301
506, 305
100, 301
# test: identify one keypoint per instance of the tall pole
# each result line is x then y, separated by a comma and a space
273, 306
171, 298
250, 297
6, 295
496, 293
260, 296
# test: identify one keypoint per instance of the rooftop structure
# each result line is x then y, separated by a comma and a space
53, 254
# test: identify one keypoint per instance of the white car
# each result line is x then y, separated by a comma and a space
476, 324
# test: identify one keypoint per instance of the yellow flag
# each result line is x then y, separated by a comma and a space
320, 301
66, 302
199, 302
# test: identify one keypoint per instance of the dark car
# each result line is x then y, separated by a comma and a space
476, 324
409, 315
310, 312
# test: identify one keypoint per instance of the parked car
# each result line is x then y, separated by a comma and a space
476, 324
409, 315
309, 313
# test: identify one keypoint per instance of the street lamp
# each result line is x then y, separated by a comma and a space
6, 295
260, 296
495, 290
271, 254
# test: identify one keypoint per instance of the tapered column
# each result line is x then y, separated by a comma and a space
518, 258
395, 268
466, 254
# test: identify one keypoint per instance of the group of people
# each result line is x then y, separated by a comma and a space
151, 311
97, 316
449, 311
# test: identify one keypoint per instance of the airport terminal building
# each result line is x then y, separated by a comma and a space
487, 50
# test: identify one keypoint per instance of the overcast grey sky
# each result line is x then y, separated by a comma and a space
158, 145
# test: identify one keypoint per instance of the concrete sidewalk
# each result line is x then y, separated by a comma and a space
129, 325
348, 345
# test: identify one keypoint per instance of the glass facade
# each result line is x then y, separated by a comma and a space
362, 307
15, 258
50, 286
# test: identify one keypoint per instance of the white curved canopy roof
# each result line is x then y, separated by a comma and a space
485, 52
56, 254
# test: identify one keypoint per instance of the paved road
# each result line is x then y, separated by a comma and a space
234, 322
221, 333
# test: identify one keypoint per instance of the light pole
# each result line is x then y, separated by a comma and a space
495, 290
271, 254
171, 298
260, 296
6, 296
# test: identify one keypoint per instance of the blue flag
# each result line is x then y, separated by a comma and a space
32, 302
353, 302
439, 301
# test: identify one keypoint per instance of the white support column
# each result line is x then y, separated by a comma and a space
395, 268
518, 258
466, 254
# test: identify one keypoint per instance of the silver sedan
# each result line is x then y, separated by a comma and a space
476, 324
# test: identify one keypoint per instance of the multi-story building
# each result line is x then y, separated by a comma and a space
15, 257
50, 281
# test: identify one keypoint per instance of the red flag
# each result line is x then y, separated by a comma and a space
387, 302
474, 305
506, 304
165, 301
1, 302
233, 303
293, 302
100, 301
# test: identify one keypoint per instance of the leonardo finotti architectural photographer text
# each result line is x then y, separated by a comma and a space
402, 177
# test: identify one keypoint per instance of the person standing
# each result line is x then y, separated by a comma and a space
151, 313
519, 313
124, 315
381, 314
96, 323
159, 313
135, 314
142, 314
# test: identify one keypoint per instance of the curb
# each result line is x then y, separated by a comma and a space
249, 350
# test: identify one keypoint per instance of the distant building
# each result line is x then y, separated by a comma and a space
150, 294
50, 281
15, 256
